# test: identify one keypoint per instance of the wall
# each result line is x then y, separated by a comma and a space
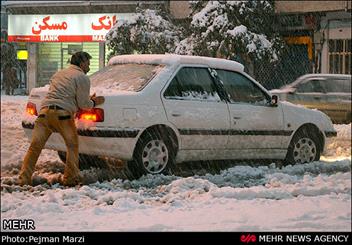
32, 66
310, 6
179, 9
335, 25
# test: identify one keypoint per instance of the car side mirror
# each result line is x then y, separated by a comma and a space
274, 100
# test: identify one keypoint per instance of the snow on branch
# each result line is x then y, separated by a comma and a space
232, 28
224, 29
148, 31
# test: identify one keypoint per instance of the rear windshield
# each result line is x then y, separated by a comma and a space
123, 77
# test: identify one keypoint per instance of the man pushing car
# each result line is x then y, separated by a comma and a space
68, 92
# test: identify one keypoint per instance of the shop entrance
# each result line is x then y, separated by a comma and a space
56, 56
68, 51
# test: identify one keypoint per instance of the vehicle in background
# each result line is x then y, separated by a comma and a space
329, 93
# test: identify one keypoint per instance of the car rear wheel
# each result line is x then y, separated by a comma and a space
304, 148
154, 154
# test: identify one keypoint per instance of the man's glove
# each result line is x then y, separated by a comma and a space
97, 100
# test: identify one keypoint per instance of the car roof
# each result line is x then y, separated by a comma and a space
174, 59
324, 75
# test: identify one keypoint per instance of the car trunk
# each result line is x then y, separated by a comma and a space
116, 108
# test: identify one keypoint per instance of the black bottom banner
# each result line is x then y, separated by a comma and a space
167, 237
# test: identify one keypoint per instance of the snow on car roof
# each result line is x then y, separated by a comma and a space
173, 59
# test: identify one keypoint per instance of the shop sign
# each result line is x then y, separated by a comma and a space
62, 28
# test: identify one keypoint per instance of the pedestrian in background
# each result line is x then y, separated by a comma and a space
10, 80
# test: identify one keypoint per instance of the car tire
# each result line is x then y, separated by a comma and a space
85, 161
304, 147
154, 154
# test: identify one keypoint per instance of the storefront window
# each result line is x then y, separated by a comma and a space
55, 56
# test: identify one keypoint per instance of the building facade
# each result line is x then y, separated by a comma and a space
49, 32
324, 27
317, 34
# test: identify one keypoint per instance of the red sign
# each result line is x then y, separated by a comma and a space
62, 28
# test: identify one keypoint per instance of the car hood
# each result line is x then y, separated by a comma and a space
283, 90
297, 115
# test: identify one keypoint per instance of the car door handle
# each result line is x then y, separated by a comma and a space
316, 97
175, 114
236, 118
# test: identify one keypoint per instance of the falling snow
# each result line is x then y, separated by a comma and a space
308, 197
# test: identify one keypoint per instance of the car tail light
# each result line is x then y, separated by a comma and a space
31, 109
94, 115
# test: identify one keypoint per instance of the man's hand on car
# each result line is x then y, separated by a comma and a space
98, 100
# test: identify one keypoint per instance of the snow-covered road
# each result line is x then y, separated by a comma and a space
308, 197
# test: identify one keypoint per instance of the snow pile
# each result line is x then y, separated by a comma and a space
247, 176
284, 202
282, 186
339, 147
12, 110
343, 131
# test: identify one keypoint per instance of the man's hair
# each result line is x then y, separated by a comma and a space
79, 57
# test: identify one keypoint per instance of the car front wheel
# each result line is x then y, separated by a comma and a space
304, 148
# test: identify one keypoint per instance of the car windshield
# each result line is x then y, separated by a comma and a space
123, 77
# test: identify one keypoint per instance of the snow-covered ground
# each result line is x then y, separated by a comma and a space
308, 197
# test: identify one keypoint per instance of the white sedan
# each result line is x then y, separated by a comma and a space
161, 110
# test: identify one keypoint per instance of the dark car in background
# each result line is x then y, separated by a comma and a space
329, 93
